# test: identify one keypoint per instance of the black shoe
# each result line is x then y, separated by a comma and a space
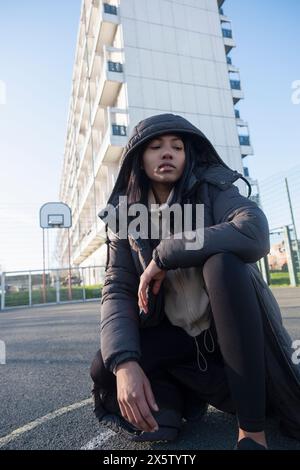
104, 403
98, 408
118, 424
169, 423
249, 444
163, 434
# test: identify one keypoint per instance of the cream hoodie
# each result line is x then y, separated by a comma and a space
186, 300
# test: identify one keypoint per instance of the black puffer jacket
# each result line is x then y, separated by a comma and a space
233, 223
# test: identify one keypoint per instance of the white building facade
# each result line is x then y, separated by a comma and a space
136, 58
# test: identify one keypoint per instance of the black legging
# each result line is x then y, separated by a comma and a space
238, 321
237, 366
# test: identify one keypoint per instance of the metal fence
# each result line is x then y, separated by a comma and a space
54, 286
279, 198
281, 267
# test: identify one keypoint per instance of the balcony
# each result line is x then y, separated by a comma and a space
90, 241
237, 93
109, 139
110, 78
114, 136
239, 121
106, 26
229, 43
245, 145
231, 68
89, 14
111, 144
222, 14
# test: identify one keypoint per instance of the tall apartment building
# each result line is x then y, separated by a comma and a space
136, 58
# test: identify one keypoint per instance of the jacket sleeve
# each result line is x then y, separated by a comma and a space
119, 336
241, 227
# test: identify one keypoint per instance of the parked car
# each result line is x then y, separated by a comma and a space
75, 281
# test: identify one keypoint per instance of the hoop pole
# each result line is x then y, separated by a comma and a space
69, 256
44, 277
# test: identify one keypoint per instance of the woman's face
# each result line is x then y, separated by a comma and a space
164, 159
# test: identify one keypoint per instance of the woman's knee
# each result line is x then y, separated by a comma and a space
223, 264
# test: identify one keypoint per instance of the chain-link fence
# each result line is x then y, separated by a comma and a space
52, 286
279, 197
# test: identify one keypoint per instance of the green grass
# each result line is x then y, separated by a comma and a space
15, 299
281, 278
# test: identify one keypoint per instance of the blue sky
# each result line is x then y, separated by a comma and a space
267, 53
37, 47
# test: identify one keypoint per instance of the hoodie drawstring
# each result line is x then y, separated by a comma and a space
212, 341
209, 350
199, 353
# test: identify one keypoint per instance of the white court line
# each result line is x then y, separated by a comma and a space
37, 422
97, 442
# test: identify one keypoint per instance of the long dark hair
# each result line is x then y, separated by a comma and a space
138, 182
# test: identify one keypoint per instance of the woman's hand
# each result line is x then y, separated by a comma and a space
152, 272
135, 396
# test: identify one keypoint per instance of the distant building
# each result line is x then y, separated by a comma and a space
277, 257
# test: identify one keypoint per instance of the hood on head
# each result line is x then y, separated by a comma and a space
160, 124
204, 161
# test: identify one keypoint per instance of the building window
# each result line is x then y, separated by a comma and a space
111, 9
235, 84
115, 66
227, 33
244, 139
118, 130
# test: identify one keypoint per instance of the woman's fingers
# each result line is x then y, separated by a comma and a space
130, 417
139, 421
143, 295
135, 397
124, 412
147, 416
150, 396
140, 408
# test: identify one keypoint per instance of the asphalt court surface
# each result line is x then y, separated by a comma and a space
45, 393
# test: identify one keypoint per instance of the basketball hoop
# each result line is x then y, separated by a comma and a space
55, 215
